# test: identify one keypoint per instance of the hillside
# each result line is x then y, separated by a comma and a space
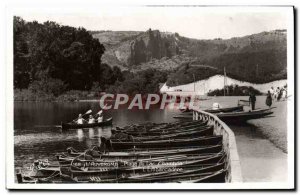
257, 58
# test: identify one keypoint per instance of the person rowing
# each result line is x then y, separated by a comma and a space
80, 120
91, 119
100, 117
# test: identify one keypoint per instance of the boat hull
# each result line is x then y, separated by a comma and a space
244, 116
201, 141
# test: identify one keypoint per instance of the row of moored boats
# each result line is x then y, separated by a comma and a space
147, 153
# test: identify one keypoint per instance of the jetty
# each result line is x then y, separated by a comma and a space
234, 173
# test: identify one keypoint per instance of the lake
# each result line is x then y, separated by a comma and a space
36, 136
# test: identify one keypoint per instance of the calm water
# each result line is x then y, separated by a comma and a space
36, 138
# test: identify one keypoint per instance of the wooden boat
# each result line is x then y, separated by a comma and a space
206, 177
211, 177
113, 168
144, 126
185, 125
136, 152
199, 141
168, 135
204, 168
148, 173
40, 174
175, 160
153, 126
184, 117
66, 126
184, 132
226, 109
53, 178
217, 177
154, 131
243, 116
176, 126
127, 159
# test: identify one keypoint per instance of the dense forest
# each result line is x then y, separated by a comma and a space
53, 61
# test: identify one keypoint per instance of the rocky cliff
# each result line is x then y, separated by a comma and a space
256, 58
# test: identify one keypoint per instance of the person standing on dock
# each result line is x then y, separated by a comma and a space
252, 100
269, 99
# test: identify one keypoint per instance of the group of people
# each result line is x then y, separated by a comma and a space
278, 93
97, 119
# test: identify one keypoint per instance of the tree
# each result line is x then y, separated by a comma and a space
69, 54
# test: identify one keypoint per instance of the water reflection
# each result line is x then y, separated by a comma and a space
80, 135
91, 133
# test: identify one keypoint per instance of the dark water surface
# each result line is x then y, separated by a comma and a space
36, 136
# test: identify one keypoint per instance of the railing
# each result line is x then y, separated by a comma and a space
233, 166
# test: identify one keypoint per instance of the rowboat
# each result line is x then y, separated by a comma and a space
120, 159
211, 177
148, 173
199, 141
205, 168
136, 152
246, 115
217, 177
188, 124
184, 132
226, 109
114, 168
144, 126
66, 126
206, 177
168, 135
184, 117
148, 126
176, 126
175, 160
238, 116
38, 174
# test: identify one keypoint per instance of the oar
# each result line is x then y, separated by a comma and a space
98, 113
88, 112
104, 107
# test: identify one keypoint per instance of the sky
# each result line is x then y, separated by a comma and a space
192, 22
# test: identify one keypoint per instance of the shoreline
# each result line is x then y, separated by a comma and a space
273, 139
274, 128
